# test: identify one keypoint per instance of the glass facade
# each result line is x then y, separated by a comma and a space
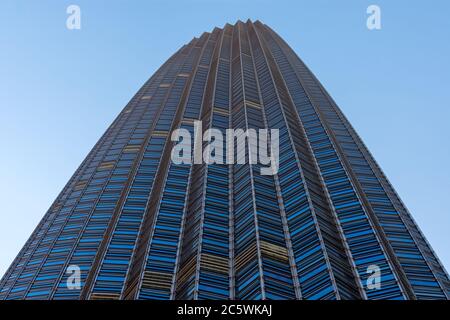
140, 226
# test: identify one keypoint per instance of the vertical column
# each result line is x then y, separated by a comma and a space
262, 269
364, 242
202, 272
153, 278
115, 253
213, 269
316, 227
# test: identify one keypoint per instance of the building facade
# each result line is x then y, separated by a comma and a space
132, 224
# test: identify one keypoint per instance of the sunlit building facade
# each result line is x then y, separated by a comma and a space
139, 226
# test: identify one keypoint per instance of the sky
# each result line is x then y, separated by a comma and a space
61, 88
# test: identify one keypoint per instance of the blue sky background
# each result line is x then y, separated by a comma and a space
60, 89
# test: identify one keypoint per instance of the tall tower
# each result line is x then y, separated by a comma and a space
136, 225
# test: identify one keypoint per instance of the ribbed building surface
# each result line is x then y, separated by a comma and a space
142, 227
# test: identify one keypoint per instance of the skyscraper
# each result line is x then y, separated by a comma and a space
136, 225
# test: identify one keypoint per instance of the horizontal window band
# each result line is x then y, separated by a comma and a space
187, 269
157, 280
105, 296
214, 263
274, 251
159, 134
221, 111
132, 148
188, 120
252, 104
106, 165
248, 255
80, 186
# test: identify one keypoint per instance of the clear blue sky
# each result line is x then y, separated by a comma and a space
60, 89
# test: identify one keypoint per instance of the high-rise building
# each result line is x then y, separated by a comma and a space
136, 225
